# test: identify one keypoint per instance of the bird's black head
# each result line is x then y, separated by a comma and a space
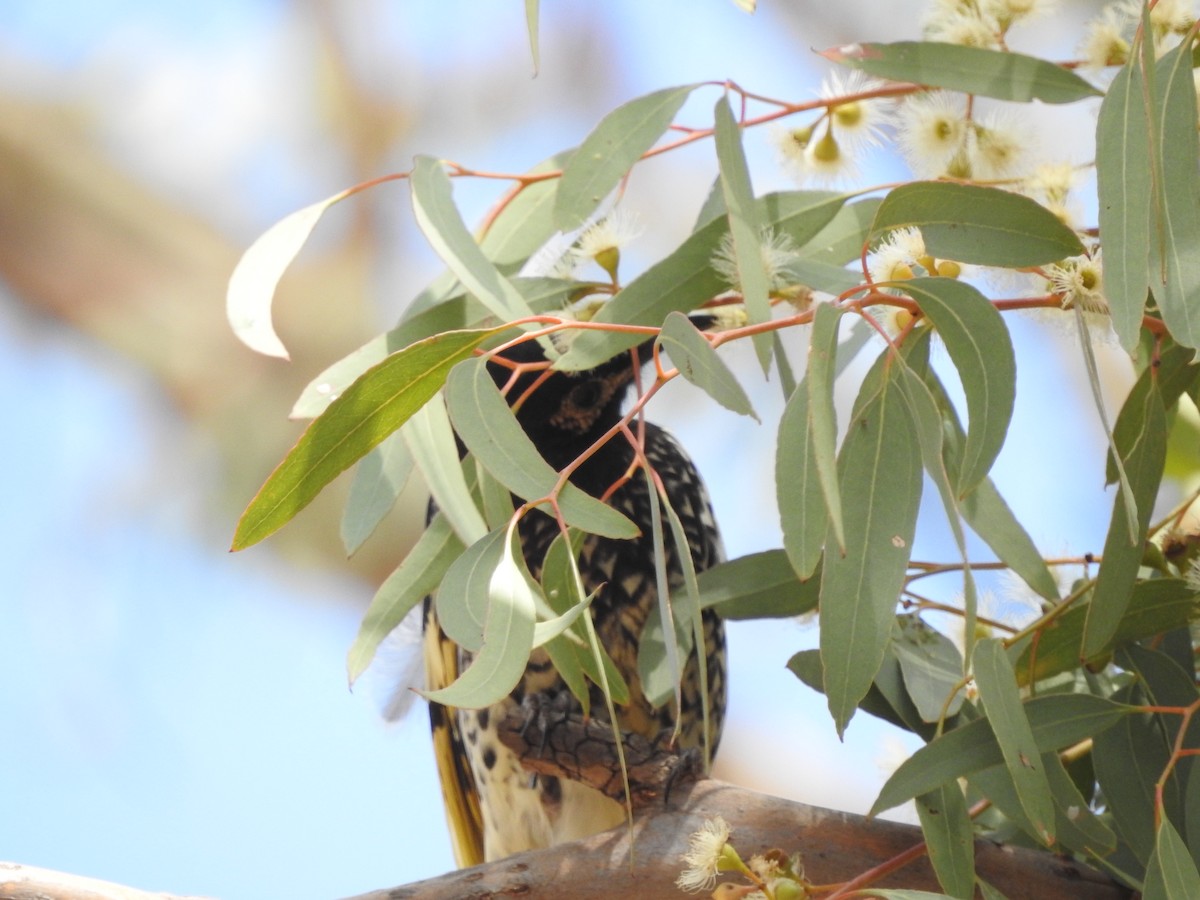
566, 412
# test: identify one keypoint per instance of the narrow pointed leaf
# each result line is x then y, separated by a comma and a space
462, 599
1171, 874
611, 150
451, 314
1177, 283
1057, 720
1124, 189
931, 666
531, 24
254, 279
880, 480
803, 514
972, 70
410, 582
998, 692
1144, 458
700, 364
950, 839
981, 225
822, 419
378, 403
430, 439
378, 480
487, 426
442, 225
978, 343
507, 637
1156, 606
745, 226
756, 586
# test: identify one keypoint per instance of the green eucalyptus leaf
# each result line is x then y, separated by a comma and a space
442, 225
745, 226
1176, 285
822, 419
931, 666
430, 439
611, 150
803, 513
1057, 721
410, 582
1171, 873
700, 364
999, 694
508, 631
974, 224
950, 839
978, 343
756, 586
378, 403
1143, 457
1123, 177
1003, 75
378, 480
880, 480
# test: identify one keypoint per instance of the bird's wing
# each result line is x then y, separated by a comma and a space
458, 784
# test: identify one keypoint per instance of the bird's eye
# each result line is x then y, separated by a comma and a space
586, 395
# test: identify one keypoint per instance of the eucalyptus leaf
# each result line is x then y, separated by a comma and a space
700, 364
1176, 285
745, 226
822, 419
803, 513
254, 279
1003, 75
408, 584
508, 632
1123, 177
378, 403
979, 345
974, 224
378, 480
879, 474
949, 837
998, 692
611, 150
442, 225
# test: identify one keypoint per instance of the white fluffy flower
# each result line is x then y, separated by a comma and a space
703, 856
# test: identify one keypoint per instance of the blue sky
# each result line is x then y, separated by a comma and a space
178, 717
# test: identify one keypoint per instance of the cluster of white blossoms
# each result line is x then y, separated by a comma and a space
1108, 38
980, 23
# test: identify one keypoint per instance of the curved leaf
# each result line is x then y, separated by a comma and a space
756, 586
744, 225
700, 364
252, 284
951, 841
1177, 285
1057, 720
378, 403
430, 439
1171, 874
998, 692
611, 150
973, 70
974, 224
507, 637
880, 479
442, 225
410, 582
822, 419
1123, 184
979, 345
378, 481
803, 514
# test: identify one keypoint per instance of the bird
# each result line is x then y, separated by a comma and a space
494, 807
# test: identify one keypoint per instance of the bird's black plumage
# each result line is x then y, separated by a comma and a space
493, 805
